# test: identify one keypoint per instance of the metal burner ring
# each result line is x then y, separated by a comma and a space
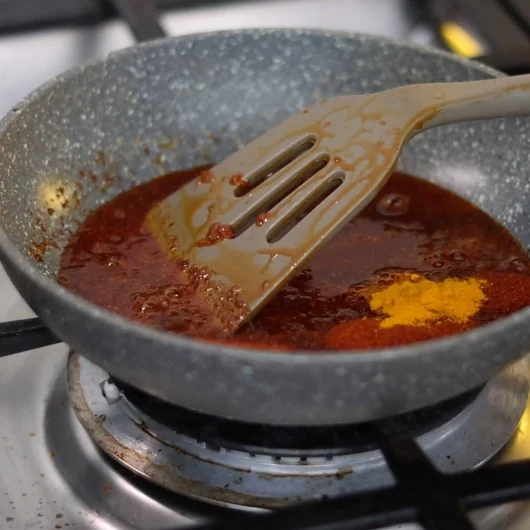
222, 476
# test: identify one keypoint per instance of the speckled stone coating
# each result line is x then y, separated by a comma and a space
176, 103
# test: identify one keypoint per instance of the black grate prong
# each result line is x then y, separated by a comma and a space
438, 503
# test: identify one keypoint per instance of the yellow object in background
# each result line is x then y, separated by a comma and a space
460, 41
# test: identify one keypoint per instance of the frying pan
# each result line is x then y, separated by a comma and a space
206, 95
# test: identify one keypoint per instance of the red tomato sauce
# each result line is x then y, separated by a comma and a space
114, 261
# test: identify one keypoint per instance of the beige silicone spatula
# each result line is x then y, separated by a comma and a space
247, 225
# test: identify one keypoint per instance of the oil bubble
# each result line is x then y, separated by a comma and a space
393, 204
518, 265
457, 256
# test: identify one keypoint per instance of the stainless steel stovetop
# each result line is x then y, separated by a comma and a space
51, 473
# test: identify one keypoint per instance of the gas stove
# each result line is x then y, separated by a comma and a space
80, 449
83, 450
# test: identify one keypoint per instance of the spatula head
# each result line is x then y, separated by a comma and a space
252, 221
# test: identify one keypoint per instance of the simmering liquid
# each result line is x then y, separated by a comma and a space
412, 226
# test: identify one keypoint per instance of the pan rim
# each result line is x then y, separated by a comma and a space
10, 252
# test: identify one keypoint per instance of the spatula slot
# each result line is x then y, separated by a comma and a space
280, 230
276, 164
303, 175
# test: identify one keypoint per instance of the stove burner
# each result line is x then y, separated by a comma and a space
285, 441
256, 466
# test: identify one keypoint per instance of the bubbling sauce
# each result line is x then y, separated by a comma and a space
411, 226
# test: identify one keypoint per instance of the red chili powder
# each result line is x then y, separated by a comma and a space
505, 292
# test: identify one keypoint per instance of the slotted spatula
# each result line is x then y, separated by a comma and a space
243, 228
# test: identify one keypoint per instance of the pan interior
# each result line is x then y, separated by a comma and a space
185, 102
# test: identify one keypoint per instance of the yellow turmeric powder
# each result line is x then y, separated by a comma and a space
413, 303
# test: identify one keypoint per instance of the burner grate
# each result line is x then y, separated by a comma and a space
443, 505
188, 461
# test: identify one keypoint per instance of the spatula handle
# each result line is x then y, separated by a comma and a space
475, 100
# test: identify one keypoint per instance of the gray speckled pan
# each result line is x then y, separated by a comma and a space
163, 106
